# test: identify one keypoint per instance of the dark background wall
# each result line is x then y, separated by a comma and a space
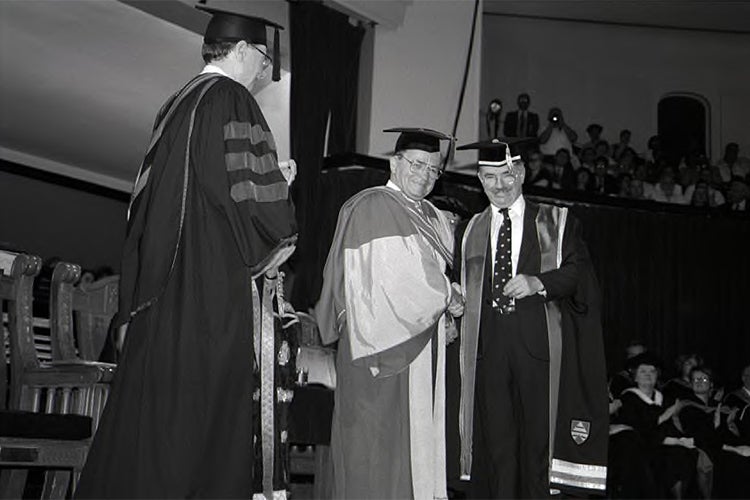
74, 221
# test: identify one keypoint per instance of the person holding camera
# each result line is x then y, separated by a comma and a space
558, 134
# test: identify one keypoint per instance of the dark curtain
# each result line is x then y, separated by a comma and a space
325, 49
673, 277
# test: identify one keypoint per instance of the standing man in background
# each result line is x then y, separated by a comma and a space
209, 216
533, 408
387, 300
522, 123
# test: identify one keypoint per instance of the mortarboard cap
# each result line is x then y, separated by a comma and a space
501, 152
226, 26
419, 138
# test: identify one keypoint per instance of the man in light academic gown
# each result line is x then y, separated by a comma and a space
533, 412
210, 221
387, 300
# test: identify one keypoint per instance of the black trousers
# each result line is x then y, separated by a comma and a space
511, 415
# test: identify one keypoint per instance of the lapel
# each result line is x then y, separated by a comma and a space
529, 238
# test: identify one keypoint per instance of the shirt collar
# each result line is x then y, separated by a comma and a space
210, 68
515, 208
392, 185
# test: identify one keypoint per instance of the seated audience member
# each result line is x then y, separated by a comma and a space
667, 190
536, 174
584, 179
624, 183
623, 379
681, 387
604, 182
737, 196
670, 457
557, 134
729, 164
602, 150
731, 480
654, 151
715, 198
563, 176
639, 190
740, 397
700, 196
594, 131
700, 418
627, 161
588, 157
624, 144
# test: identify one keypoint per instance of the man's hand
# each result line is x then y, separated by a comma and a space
456, 304
288, 170
521, 286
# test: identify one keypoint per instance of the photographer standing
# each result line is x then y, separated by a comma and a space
557, 134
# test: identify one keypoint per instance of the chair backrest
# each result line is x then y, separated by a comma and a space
16, 291
80, 315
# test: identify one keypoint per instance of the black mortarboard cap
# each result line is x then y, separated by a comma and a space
498, 152
226, 26
424, 139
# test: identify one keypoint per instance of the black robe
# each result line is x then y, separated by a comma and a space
179, 421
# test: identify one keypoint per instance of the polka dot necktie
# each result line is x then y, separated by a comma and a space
503, 266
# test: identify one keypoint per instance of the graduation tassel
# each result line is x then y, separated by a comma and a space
276, 57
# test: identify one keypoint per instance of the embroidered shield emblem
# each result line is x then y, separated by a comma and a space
579, 430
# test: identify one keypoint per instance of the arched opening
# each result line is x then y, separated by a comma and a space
683, 121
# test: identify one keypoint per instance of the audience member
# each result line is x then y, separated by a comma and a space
557, 134
602, 150
726, 165
700, 418
522, 122
584, 179
714, 196
623, 379
594, 132
681, 387
536, 174
700, 196
625, 185
604, 181
627, 161
654, 152
588, 157
669, 455
737, 195
624, 144
563, 176
492, 119
740, 397
667, 190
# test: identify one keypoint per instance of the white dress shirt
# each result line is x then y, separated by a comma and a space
515, 211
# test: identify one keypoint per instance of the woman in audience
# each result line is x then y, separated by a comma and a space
700, 418
536, 174
714, 196
681, 387
667, 190
671, 457
604, 182
563, 176
584, 179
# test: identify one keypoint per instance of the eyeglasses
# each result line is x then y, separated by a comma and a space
701, 379
493, 178
267, 60
418, 167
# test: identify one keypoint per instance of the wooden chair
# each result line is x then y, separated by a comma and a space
43, 426
79, 323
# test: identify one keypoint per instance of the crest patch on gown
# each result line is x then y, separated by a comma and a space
579, 430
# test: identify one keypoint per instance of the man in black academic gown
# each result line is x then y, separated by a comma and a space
531, 346
210, 221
